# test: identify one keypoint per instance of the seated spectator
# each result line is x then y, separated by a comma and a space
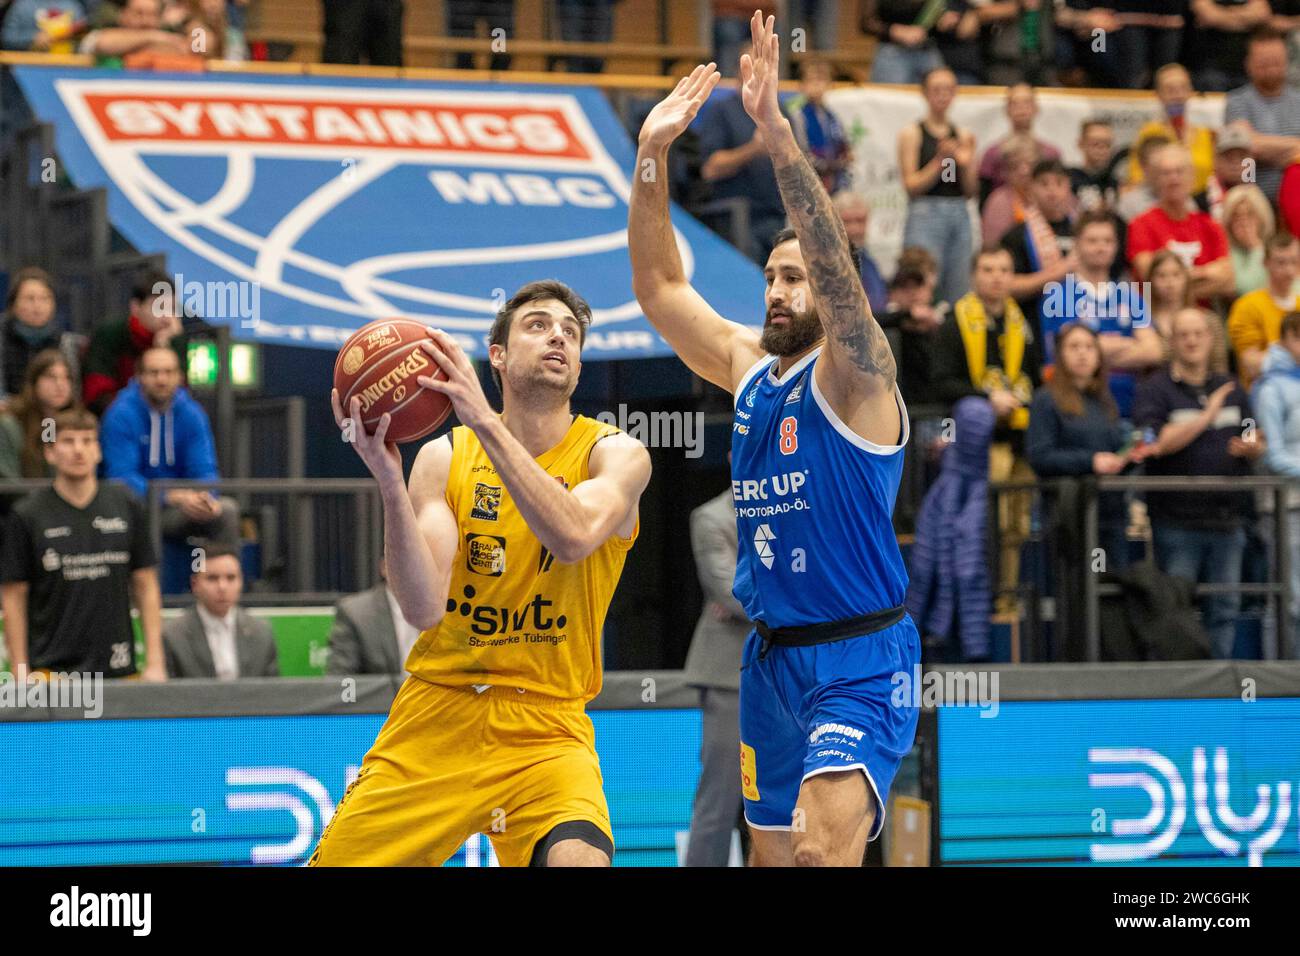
1022, 109
154, 430
369, 634
42, 26
989, 348
1232, 160
216, 637
1269, 109
816, 128
1134, 200
1094, 183
1248, 221
737, 165
371, 30
1042, 246
1170, 224
72, 557
27, 425
1075, 431
910, 319
1007, 204
1196, 418
1173, 90
29, 328
1276, 397
855, 214
1171, 284
1255, 321
115, 347
1092, 299
139, 29
1217, 45
211, 34
937, 164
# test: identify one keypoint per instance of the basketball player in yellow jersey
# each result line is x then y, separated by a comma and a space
505, 550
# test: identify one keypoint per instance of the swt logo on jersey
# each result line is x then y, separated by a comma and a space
532, 623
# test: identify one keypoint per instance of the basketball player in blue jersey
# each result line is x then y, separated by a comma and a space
817, 453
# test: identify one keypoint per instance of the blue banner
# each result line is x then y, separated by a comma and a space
296, 209
1144, 782
259, 790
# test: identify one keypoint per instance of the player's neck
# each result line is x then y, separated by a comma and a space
1095, 276
785, 362
77, 492
539, 428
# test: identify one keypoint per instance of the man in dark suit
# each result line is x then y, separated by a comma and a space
216, 637
369, 634
713, 665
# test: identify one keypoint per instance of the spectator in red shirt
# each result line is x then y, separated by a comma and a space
1195, 237
116, 346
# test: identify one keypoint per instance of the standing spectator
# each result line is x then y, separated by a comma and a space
29, 420
819, 18
819, 133
1286, 21
1042, 247
1171, 293
1134, 200
1255, 321
369, 30
731, 31
938, 169
154, 430
905, 47
1075, 432
1198, 418
1276, 397
1080, 62
1174, 90
1170, 224
1248, 221
912, 315
1022, 110
988, 348
73, 556
1150, 38
1120, 322
370, 635
1269, 109
1094, 183
211, 32
854, 214
738, 166
42, 26
138, 29
584, 21
713, 665
115, 347
1231, 161
216, 637
1007, 205
29, 328
1217, 42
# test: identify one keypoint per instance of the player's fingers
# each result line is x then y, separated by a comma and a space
381, 430
699, 78
337, 405
746, 68
441, 357
436, 384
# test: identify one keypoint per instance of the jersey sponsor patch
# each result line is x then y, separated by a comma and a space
487, 499
485, 554
748, 772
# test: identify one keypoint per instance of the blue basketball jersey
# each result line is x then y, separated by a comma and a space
814, 504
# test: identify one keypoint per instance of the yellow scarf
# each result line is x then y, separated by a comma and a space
973, 325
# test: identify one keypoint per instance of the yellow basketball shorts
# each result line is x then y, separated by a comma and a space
451, 762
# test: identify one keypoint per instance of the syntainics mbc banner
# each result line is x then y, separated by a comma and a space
297, 209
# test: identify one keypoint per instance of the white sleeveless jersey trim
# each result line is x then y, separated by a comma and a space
852, 437
747, 379
794, 369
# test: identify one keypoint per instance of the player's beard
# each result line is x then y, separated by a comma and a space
546, 388
797, 335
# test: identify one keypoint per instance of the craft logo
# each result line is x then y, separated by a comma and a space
487, 499
485, 554
358, 202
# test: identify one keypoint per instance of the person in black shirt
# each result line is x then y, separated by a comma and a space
72, 556
1217, 35
1094, 183
1199, 420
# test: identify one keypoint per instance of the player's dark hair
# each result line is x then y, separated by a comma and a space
147, 282
1050, 167
784, 235
1290, 324
532, 292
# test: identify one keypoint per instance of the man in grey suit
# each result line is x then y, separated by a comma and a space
713, 665
216, 637
369, 634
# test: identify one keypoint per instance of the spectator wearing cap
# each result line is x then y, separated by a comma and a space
1174, 90
1232, 161
1269, 109
1200, 420
1255, 321
216, 638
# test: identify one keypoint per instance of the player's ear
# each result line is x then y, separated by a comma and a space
497, 356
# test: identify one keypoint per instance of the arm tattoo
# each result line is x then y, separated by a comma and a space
851, 329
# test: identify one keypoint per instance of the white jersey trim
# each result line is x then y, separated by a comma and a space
849, 435
878, 824
794, 369
748, 379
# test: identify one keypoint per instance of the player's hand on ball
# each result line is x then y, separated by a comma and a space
461, 384
674, 113
380, 455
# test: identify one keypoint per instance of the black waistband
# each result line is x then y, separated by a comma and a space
808, 634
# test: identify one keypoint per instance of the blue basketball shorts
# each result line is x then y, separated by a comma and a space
828, 707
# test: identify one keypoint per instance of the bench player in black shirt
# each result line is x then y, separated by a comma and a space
72, 557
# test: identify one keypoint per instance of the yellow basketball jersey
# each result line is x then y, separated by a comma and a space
516, 616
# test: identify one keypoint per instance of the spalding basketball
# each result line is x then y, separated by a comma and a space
379, 364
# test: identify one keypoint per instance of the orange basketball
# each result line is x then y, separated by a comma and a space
379, 364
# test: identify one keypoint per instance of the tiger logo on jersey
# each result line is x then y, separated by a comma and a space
487, 499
